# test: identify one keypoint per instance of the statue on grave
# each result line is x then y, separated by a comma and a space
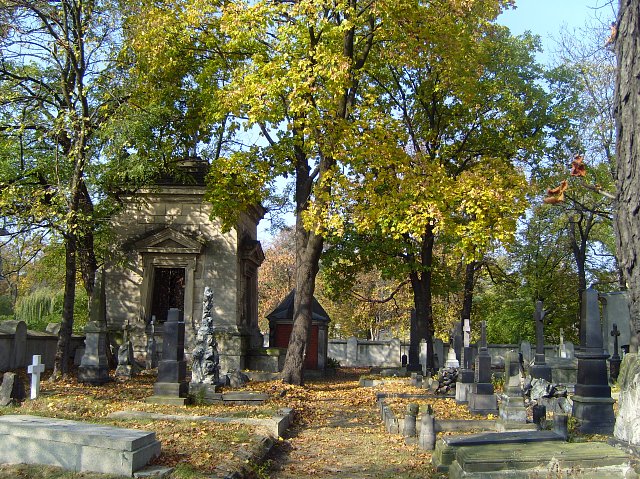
205, 368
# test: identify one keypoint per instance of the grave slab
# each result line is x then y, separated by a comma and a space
74, 445
446, 448
544, 459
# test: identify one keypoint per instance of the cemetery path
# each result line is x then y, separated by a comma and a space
345, 439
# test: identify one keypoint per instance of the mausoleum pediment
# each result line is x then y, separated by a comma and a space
168, 240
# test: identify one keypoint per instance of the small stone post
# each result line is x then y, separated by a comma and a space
35, 369
409, 430
427, 439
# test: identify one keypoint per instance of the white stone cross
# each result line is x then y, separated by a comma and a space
35, 369
467, 332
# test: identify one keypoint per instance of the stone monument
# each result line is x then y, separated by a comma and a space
171, 386
512, 412
482, 400
35, 369
592, 402
126, 364
12, 389
540, 369
94, 367
152, 347
205, 369
465, 375
614, 360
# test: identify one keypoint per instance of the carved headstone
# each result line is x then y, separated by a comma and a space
171, 386
540, 369
152, 346
592, 402
94, 366
482, 399
126, 363
512, 409
12, 389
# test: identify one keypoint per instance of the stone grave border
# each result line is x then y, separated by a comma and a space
395, 426
268, 432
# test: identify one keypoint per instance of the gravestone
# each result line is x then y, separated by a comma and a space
171, 386
527, 355
126, 364
457, 340
409, 430
18, 350
35, 369
540, 369
512, 412
151, 360
94, 366
615, 309
465, 375
482, 399
614, 360
75, 445
11, 390
438, 352
452, 360
592, 401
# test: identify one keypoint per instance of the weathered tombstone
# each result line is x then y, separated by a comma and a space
512, 412
540, 369
615, 309
171, 386
452, 360
126, 364
482, 399
409, 429
438, 352
539, 415
592, 401
465, 375
94, 366
205, 368
561, 425
525, 349
562, 351
11, 390
614, 360
18, 352
457, 340
427, 438
35, 369
151, 361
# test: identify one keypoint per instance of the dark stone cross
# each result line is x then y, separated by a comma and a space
483, 335
614, 360
540, 369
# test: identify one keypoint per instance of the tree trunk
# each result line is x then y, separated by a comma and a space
467, 295
627, 115
61, 365
422, 327
308, 251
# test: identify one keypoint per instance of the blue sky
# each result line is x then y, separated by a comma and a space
547, 17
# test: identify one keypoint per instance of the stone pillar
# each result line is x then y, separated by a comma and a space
94, 367
512, 414
592, 402
352, 352
171, 386
540, 369
482, 399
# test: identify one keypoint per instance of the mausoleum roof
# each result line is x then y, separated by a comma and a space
284, 311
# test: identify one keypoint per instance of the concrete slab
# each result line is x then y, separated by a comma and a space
75, 445
445, 451
495, 461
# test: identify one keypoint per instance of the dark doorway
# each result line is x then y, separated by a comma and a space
168, 291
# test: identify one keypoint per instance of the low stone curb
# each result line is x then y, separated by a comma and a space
275, 425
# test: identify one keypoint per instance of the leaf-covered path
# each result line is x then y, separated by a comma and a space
340, 436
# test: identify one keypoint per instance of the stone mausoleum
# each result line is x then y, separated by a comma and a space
168, 250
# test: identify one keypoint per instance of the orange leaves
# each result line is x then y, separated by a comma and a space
578, 168
556, 195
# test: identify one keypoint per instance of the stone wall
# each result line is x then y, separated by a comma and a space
17, 348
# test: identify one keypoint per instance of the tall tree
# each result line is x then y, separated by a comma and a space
627, 114
58, 86
455, 179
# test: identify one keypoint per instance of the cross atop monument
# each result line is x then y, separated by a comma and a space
35, 369
615, 333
